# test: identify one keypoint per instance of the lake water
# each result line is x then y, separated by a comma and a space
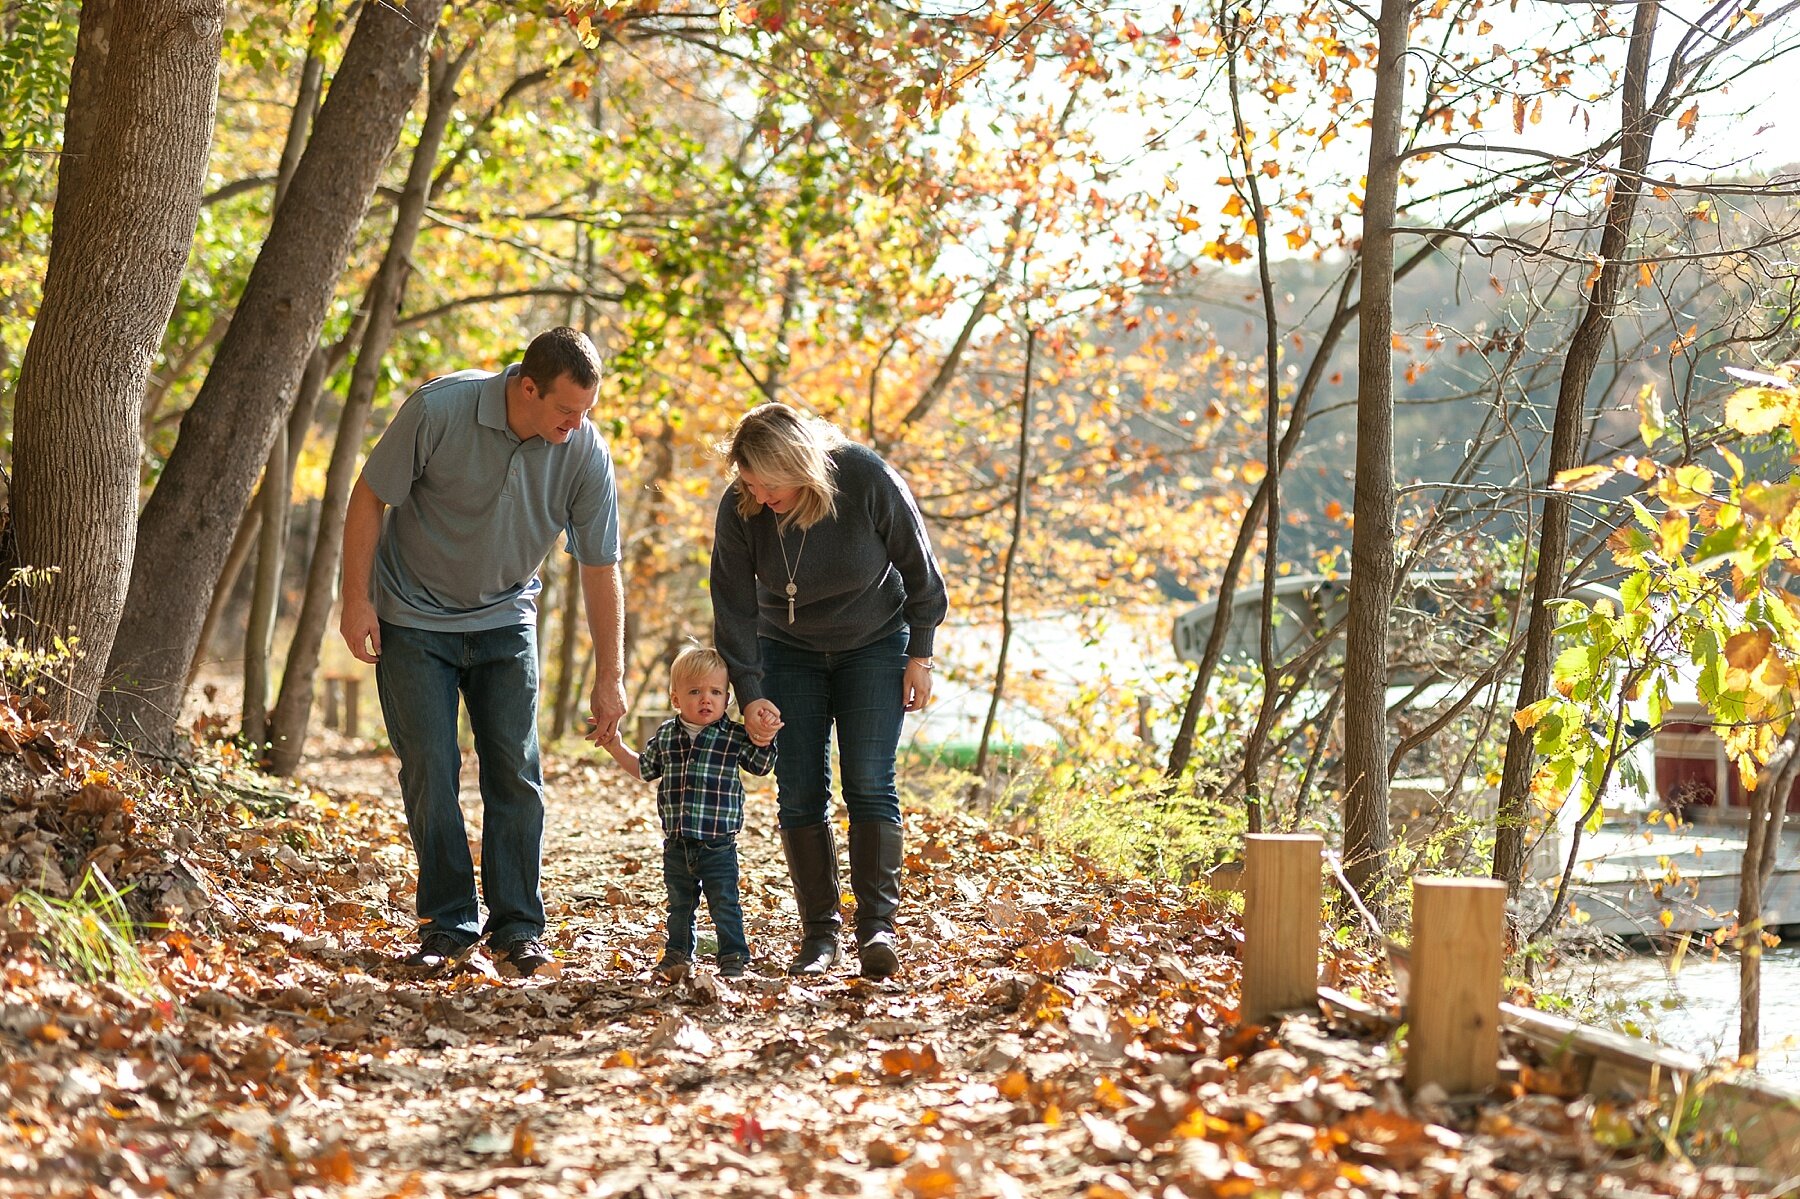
1695, 1009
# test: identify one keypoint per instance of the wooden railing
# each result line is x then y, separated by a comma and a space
1453, 1009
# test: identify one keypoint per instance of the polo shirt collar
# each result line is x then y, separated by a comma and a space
491, 411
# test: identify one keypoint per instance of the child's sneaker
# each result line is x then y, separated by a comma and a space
673, 967
733, 965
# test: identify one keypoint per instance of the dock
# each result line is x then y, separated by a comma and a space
1635, 877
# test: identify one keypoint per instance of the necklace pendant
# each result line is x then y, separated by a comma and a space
790, 609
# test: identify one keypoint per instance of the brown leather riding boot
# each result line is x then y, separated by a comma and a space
875, 861
812, 865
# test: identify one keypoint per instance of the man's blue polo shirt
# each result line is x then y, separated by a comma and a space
473, 510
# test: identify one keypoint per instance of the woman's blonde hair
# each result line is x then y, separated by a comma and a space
695, 661
786, 448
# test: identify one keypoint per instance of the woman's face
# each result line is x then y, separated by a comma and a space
776, 499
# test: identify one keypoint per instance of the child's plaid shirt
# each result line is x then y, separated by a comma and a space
698, 792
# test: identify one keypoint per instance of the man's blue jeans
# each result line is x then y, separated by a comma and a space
859, 692
421, 674
691, 867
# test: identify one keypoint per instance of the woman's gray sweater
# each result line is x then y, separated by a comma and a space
859, 575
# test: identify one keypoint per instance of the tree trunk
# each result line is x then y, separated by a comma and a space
1254, 813
187, 526
568, 645
299, 423
1182, 748
265, 597
1372, 539
1585, 347
1006, 571
275, 497
87, 101
117, 250
1768, 804
293, 710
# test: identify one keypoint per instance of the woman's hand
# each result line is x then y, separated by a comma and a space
762, 720
916, 688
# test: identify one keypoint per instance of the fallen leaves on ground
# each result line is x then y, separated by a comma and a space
1055, 1032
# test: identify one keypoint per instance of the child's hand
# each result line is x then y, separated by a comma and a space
762, 720
593, 734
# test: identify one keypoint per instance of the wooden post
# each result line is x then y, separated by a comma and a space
1281, 925
331, 701
1458, 947
648, 721
352, 694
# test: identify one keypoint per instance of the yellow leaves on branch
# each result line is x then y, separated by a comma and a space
1686, 487
1584, 478
1754, 411
1746, 650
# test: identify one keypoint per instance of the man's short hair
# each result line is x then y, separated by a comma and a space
558, 352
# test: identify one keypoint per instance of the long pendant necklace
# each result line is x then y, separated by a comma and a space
792, 591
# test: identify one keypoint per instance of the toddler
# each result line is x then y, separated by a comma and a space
695, 759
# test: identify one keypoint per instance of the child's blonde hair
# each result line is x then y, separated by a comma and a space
693, 662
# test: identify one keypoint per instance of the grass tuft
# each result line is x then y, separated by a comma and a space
90, 936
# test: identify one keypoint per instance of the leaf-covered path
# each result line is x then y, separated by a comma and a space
1055, 1033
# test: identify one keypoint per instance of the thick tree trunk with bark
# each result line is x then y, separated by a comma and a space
321, 363
1565, 446
187, 527
87, 101
293, 710
120, 241
1372, 540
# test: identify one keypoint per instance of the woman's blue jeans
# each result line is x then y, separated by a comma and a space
421, 675
859, 693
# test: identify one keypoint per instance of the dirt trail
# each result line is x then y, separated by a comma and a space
1054, 1033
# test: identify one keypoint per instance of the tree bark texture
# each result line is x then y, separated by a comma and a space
293, 709
187, 527
87, 101
1565, 447
1372, 540
265, 597
119, 244
299, 423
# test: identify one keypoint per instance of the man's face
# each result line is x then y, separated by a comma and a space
701, 699
558, 412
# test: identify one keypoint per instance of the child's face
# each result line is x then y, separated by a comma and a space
701, 698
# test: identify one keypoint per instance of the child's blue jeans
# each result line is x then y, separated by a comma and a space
691, 867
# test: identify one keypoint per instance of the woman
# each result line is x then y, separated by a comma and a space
825, 602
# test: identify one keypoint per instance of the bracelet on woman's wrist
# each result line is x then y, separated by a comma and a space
925, 662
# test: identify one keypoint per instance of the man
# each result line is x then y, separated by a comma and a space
482, 471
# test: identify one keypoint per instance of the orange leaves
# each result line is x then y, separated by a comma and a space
911, 1062
1594, 273
1688, 121
929, 1180
1748, 649
1227, 252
